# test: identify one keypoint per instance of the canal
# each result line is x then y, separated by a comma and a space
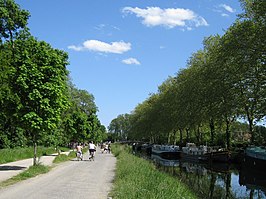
216, 181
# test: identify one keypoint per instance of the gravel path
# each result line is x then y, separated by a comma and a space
73, 179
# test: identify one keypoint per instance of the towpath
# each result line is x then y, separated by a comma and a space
72, 179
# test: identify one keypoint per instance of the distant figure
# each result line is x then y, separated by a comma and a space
106, 147
79, 152
102, 147
109, 147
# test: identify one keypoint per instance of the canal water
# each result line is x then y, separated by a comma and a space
216, 181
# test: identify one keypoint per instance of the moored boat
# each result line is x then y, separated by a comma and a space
166, 151
193, 153
221, 155
255, 157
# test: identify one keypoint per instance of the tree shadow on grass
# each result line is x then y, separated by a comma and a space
9, 168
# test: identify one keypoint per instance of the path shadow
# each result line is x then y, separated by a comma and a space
8, 168
80, 160
51, 155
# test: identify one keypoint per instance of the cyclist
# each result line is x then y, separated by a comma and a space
92, 149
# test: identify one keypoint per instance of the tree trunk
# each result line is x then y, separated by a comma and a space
169, 138
212, 128
228, 134
250, 121
187, 138
174, 141
198, 134
181, 136
250, 124
35, 154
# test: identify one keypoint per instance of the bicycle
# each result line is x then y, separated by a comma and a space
92, 154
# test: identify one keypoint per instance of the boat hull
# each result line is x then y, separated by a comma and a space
254, 163
167, 154
219, 156
193, 158
255, 158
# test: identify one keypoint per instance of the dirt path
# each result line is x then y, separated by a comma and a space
73, 179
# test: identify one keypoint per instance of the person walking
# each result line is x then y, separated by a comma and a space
79, 152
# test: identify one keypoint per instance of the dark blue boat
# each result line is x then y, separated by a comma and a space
255, 158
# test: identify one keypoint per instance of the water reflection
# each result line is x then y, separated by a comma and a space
221, 181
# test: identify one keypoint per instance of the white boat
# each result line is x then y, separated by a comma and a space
166, 151
191, 152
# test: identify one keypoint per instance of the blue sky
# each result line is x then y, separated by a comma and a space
122, 50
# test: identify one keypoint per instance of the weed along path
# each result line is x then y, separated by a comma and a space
72, 179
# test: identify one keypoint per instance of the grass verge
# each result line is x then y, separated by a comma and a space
11, 155
32, 171
61, 158
137, 178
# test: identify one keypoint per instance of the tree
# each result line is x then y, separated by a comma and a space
120, 126
12, 20
39, 81
79, 121
245, 52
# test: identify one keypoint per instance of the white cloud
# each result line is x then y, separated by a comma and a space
224, 15
227, 8
170, 17
76, 48
99, 46
131, 61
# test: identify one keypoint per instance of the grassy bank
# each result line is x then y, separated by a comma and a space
138, 178
11, 155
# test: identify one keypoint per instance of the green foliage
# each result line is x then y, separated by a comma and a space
12, 20
120, 127
80, 122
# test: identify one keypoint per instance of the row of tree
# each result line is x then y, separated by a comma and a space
39, 104
223, 83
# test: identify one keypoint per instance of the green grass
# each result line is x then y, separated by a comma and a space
138, 178
61, 158
32, 171
11, 155
72, 154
